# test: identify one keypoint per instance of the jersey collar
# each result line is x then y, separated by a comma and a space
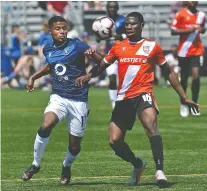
130, 42
62, 45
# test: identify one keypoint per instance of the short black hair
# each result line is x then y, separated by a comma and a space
116, 4
137, 15
55, 19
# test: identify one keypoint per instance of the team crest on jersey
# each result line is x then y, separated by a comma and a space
67, 50
146, 49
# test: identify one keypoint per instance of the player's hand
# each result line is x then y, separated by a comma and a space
90, 52
30, 85
194, 107
80, 81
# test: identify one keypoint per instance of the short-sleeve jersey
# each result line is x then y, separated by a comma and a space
67, 63
120, 29
45, 38
136, 63
15, 46
189, 44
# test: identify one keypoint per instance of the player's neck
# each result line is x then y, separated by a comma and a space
113, 17
57, 44
135, 39
193, 10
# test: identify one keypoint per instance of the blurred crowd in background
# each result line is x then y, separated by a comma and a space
21, 58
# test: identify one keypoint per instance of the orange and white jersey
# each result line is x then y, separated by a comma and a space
136, 62
190, 44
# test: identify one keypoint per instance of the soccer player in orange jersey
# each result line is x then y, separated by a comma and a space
189, 23
136, 58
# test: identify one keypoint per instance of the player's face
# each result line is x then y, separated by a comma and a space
112, 9
59, 32
133, 27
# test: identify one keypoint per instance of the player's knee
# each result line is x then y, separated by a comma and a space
47, 124
114, 143
114, 139
44, 132
75, 149
151, 127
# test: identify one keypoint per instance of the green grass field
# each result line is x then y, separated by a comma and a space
97, 168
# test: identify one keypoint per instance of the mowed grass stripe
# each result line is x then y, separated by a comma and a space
101, 108
103, 177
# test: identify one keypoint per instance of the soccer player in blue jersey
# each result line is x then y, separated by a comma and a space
119, 20
65, 62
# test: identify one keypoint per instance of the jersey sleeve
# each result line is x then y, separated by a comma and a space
111, 56
160, 57
82, 46
40, 42
44, 51
203, 19
177, 21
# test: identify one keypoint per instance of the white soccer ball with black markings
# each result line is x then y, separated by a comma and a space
104, 27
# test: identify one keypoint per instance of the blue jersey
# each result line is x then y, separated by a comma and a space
15, 47
67, 63
120, 29
45, 38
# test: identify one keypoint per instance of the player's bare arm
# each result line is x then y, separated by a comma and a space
202, 29
174, 81
42, 72
94, 72
183, 31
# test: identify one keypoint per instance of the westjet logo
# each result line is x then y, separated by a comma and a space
134, 60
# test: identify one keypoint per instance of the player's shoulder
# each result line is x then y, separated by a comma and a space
182, 12
119, 43
75, 41
201, 12
121, 17
149, 41
151, 44
47, 48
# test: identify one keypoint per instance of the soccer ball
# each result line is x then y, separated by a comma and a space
104, 27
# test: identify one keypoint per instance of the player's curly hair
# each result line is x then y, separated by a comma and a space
55, 19
137, 15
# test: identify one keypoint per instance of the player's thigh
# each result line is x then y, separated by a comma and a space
50, 120
112, 69
147, 112
58, 107
185, 66
149, 120
124, 114
196, 62
78, 112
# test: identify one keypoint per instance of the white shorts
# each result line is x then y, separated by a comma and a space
76, 112
112, 69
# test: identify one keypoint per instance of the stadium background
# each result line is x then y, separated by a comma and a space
30, 16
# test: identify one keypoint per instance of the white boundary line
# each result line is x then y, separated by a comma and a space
101, 177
